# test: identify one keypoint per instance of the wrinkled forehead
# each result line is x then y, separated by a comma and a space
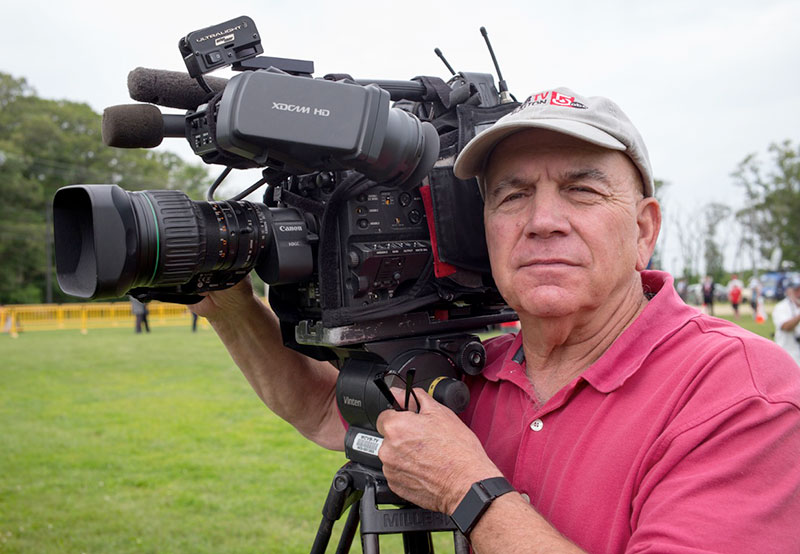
539, 149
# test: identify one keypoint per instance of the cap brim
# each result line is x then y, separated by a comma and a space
471, 159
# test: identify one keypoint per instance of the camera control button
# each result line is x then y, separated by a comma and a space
213, 58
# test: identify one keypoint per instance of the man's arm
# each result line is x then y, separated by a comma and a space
782, 317
790, 323
297, 388
432, 458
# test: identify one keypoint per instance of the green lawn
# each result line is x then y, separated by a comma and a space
116, 442
765, 329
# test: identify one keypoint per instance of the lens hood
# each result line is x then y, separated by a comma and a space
91, 222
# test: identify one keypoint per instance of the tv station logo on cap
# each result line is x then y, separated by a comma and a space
553, 98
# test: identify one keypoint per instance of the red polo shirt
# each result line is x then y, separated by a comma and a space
683, 437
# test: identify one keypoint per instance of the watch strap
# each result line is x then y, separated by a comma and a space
477, 500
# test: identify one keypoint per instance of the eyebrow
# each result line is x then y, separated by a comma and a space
592, 174
585, 174
506, 183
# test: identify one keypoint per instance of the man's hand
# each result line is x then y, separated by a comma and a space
431, 458
222, 303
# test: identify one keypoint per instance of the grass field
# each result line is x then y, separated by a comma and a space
116, 442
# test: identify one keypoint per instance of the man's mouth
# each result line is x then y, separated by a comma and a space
547, 262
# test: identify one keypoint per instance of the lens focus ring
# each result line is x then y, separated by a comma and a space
180, 243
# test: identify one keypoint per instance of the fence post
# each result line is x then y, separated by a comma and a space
84, 321
13, 324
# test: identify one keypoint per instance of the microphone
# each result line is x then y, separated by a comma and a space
139, 126
171, 89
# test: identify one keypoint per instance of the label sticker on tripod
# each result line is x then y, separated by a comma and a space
367, 444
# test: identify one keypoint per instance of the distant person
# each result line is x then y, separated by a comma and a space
755, 288
786, 316
735, 291
194, 322
8, 322
141, 311
708, 295
682, 287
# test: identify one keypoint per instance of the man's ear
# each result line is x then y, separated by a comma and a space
648, 220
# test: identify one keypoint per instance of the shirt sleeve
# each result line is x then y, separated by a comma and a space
780, 314
729, 482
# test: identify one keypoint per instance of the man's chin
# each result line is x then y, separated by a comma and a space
547, 301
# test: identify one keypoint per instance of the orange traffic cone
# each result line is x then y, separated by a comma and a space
760, 315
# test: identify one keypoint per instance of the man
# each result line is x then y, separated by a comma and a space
735, 292
623, 419
708, 295
786, 316
140, 310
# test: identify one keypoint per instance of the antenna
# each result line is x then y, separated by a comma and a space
441, 56
504, 95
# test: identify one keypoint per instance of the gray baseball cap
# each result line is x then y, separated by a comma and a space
594, 119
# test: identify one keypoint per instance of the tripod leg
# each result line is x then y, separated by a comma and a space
370, 544
323, 536
349, 529
332, 510
417, 543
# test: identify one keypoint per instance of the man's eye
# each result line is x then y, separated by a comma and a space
512, 197
582, 190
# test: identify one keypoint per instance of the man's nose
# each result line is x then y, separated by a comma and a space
547, 214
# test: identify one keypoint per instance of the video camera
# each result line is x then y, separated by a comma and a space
373, 250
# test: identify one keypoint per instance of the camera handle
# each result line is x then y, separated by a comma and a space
361, 489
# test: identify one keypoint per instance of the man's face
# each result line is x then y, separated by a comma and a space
566, 224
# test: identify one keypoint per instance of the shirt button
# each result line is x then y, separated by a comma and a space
537, 425
526, 498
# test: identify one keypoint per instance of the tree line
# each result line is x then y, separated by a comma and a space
765, 234
46, 144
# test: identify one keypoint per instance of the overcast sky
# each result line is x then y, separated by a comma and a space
706, 82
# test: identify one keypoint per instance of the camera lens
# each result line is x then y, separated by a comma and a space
108, 241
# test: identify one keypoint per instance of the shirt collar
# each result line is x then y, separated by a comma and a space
664, 315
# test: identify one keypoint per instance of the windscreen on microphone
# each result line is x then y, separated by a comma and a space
133, 126
171, 89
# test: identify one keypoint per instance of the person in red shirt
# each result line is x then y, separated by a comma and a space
623, 420
735, 293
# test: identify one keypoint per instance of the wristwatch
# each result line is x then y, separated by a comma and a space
477, 501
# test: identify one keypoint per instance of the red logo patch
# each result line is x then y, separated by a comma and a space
558, 99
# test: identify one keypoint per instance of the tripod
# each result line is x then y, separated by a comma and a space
362, 489
436, 362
